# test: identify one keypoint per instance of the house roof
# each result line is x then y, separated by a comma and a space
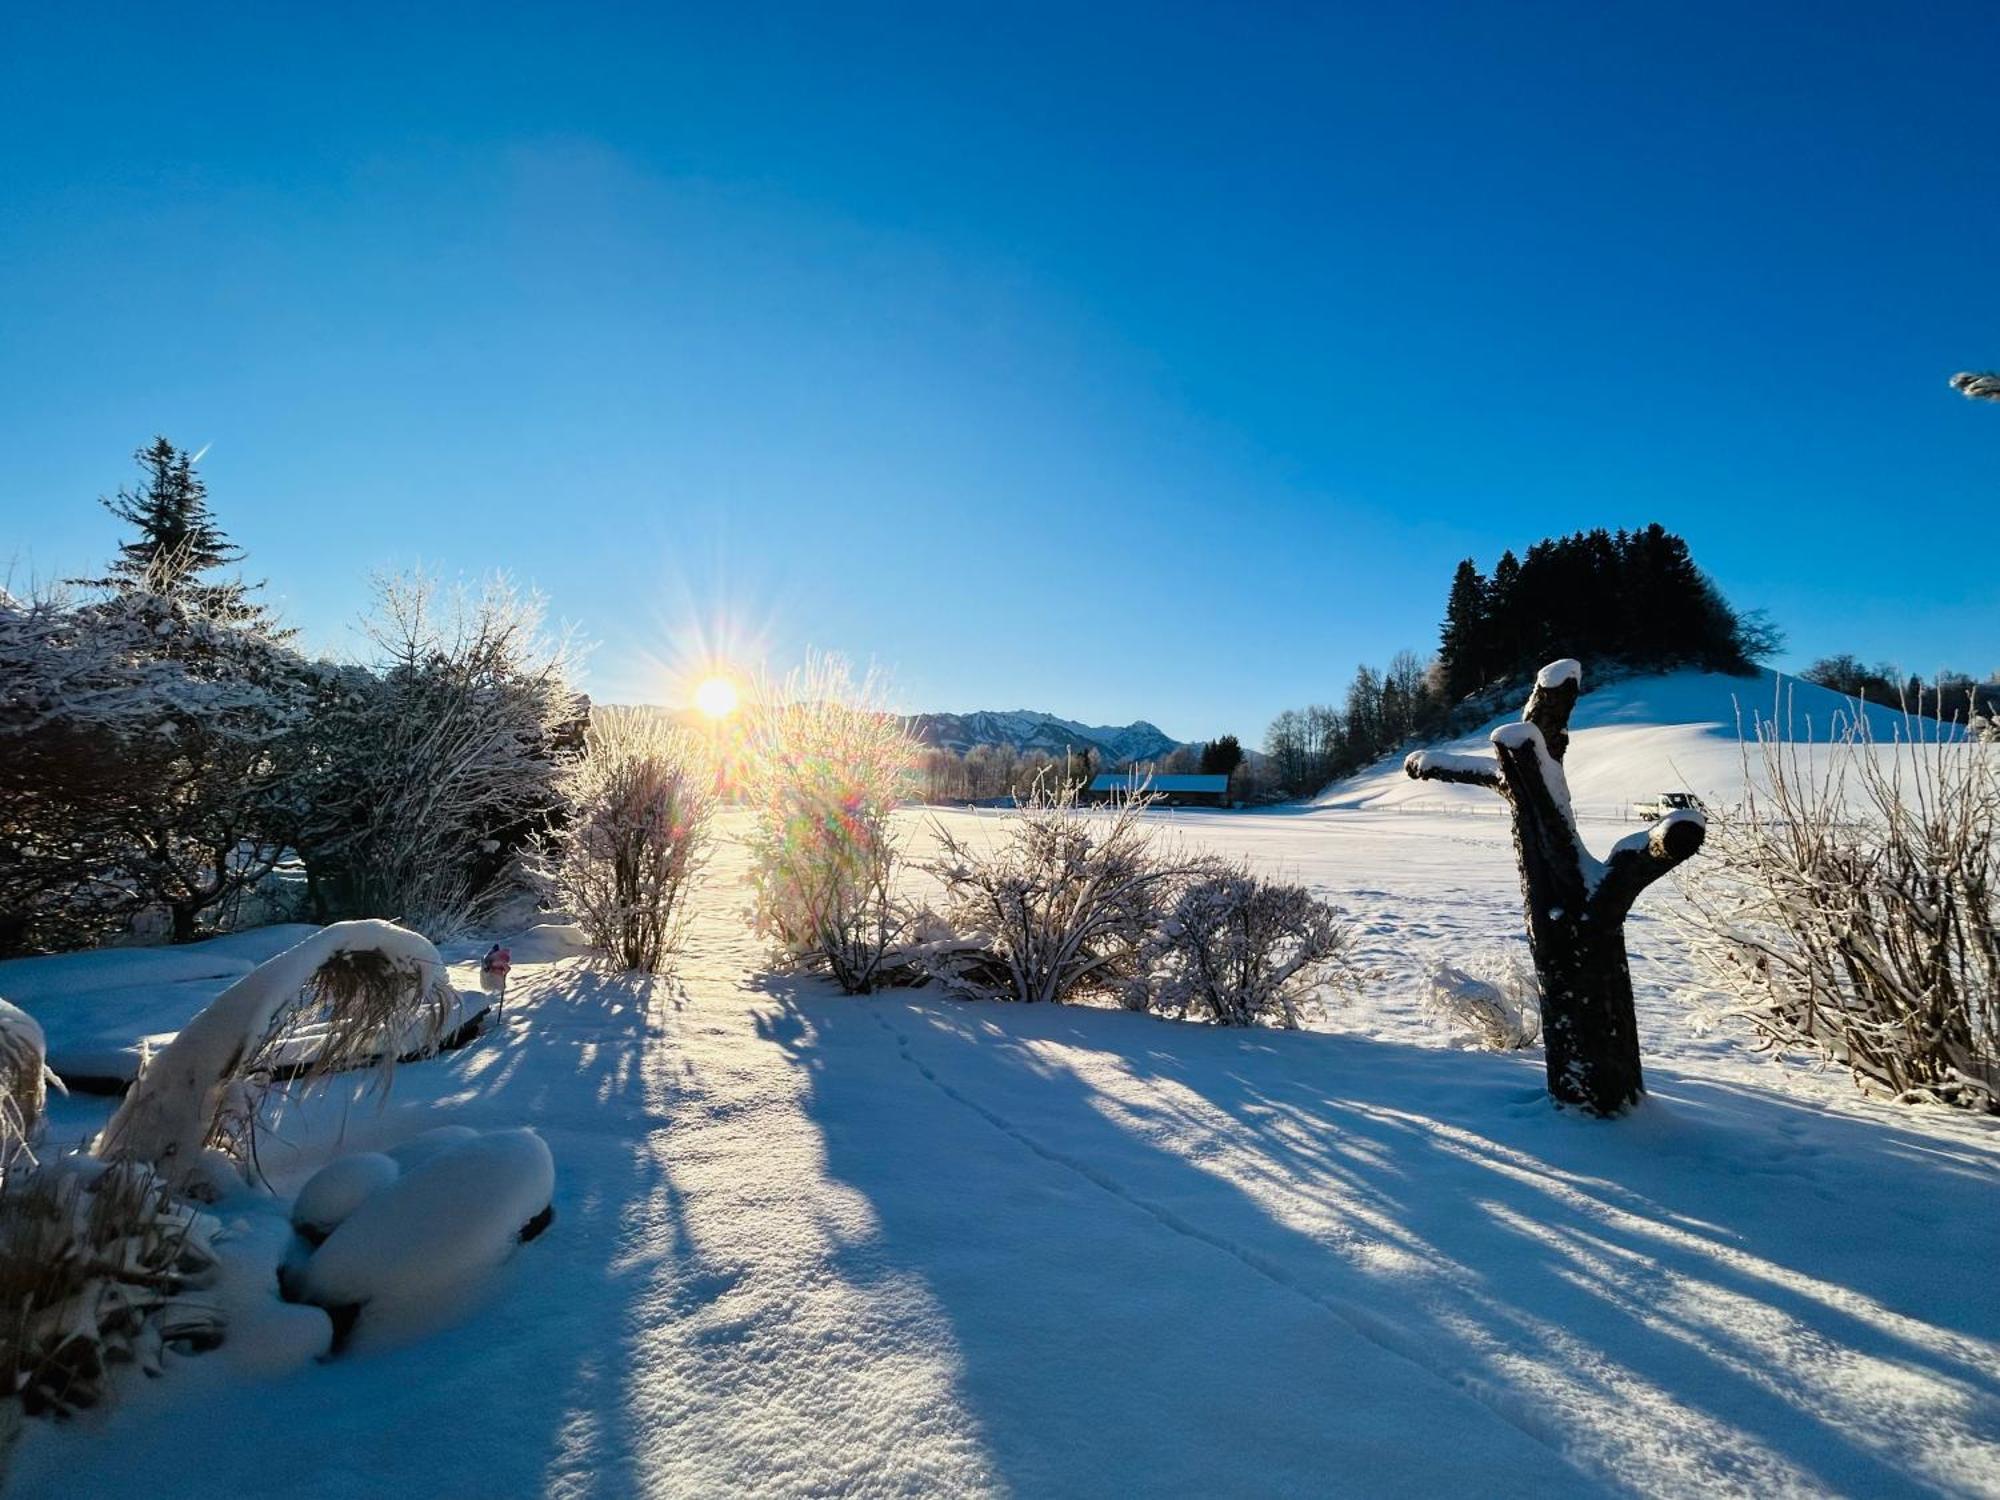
1125, 781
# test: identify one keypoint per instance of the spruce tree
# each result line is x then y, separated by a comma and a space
178, 540
1464, 647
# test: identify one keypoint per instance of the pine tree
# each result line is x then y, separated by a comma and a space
1464, 647
1221, 756
178, 541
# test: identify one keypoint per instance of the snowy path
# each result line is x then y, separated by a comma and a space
808, 1244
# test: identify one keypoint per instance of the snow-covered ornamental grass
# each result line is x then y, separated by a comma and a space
353, 994
103, 1257
1853, 909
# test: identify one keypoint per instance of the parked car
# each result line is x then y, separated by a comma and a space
1665, 803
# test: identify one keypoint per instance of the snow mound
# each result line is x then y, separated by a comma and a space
548, 941
426, 1144
336, 1190
432, 1231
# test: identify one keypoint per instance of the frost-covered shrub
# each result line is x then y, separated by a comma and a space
418, 779
825, 768
96, 1261
1853, 910
635, 836
352, 995
1500, 1008
1061, 904
1237, 949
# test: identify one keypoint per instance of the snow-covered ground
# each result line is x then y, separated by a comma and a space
908, 1245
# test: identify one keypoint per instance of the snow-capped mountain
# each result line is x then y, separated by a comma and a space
1026, 729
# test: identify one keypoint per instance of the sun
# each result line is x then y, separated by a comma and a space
716, 697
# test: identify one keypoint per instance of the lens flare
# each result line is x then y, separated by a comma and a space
716, 697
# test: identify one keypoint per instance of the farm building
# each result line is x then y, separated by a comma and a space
1175, 791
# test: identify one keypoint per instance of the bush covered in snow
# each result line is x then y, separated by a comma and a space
1236, 949
1062, 903
641, 800
1500, 1007
1853, 909
826, 765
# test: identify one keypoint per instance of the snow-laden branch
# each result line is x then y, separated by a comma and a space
1443, 765
1639, 859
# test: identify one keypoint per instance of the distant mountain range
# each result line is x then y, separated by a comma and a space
1117, 745
1025, 729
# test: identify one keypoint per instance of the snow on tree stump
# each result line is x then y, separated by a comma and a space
1576, 905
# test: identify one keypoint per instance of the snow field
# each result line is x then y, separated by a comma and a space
906, 1245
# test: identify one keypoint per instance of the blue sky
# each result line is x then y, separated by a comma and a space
1117, 361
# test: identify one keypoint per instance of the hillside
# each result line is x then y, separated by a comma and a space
1635, 738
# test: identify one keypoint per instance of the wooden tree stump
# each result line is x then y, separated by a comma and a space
1576, 905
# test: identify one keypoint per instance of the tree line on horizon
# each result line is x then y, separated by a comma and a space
1631, 600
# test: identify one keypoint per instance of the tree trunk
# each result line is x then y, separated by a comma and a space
1575, 907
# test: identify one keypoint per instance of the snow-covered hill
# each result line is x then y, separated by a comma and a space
1641, 736
1027, 729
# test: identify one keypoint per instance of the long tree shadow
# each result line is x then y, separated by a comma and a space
1163, 1247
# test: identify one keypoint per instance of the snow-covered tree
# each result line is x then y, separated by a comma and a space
416, 782
636, 834
137, 761
1976, 386
1576, 905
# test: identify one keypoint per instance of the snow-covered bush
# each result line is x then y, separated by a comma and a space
418, 780
96, 1261
1237, 949
1061, 904
354, 994
1500, 1008
636, 834
24, 1078
429, 1230
825, 767
1853, 910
